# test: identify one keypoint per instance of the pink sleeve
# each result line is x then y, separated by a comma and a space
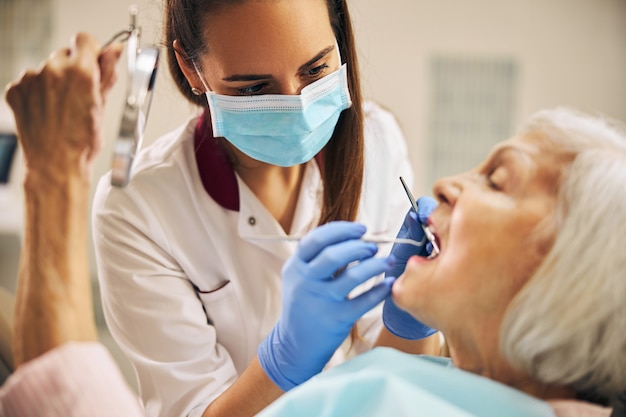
75, 379
573, 408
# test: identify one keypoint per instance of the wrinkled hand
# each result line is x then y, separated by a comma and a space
316, 313
59, 108
396, 320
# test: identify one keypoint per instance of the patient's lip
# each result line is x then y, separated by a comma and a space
415, 259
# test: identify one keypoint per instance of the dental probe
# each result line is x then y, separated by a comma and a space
427, 232
364, 238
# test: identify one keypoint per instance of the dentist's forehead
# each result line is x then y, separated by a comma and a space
263, 36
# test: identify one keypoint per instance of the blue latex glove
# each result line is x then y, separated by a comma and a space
396, 320
316, 314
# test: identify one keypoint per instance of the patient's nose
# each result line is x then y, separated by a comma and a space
447, 190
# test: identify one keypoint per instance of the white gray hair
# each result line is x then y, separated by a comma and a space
567, 326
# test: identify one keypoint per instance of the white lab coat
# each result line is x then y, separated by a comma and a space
184, 295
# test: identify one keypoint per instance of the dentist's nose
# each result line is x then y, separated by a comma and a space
290, 86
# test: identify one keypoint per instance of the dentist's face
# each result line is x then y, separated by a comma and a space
269, 47
494, 226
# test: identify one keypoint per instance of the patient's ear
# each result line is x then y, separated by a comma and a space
187, 67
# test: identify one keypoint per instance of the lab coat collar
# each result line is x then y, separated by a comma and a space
255, 220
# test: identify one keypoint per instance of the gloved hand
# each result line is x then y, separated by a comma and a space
316, 314
396, 320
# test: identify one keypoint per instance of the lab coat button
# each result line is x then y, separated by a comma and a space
251, 221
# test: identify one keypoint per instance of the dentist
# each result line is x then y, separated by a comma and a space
214, 318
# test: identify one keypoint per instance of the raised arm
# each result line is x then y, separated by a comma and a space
59, 112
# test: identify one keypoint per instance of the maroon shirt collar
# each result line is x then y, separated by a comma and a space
216, 171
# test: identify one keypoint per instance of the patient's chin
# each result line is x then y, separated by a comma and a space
422, 280
407, 291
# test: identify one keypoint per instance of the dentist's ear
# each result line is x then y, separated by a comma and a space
188, 68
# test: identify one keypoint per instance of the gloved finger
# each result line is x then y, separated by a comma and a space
369, 299
339, 255
355, 275
328, 234
425, 206
429, 248
411, 229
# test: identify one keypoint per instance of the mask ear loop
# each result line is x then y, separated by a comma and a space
204, 84
338, 52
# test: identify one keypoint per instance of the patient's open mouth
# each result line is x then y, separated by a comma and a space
434, 240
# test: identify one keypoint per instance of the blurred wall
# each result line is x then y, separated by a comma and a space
571, 52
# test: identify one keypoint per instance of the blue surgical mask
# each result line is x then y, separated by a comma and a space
278, 129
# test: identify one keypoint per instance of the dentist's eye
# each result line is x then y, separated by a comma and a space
251, 90
317, 71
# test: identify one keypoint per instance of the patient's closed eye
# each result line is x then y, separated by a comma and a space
497, 178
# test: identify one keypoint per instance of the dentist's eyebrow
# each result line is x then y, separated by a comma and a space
260, 77
248, 77
316, 58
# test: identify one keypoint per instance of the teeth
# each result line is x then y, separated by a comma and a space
432, 240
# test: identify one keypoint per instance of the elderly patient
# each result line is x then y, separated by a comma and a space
529, 288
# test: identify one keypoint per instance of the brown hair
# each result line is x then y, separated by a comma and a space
343, 156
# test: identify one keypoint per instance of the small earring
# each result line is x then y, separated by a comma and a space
196, 92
